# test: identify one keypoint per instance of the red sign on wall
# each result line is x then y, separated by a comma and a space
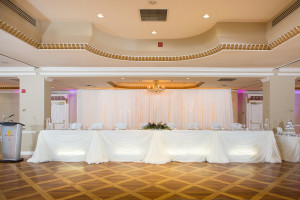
160, 44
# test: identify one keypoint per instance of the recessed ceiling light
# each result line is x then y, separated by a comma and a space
152, 2
154, 32
206, 16
187, 78
52, 87
100, 15
123, 78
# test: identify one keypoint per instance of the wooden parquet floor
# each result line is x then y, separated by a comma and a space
131, 181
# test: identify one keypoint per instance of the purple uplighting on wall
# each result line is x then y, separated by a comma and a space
297, 111
297, 103
241, 91
73, 91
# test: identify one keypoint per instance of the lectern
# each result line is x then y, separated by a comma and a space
11, 134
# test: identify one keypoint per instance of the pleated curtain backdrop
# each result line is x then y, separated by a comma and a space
204, 106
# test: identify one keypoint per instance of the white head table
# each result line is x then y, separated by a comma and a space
156, 146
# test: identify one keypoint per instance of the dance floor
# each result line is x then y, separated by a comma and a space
129, 180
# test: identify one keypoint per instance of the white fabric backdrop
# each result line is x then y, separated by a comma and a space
137, 106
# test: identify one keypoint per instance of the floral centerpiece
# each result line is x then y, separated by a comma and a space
160, 125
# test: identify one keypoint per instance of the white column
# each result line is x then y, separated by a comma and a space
35, 102
35, 107
279, 100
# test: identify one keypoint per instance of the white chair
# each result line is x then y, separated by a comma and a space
97, 126
142, 125
171, 125
279, 130
121, 126
215, 126
192, 126
76, 126
235, 126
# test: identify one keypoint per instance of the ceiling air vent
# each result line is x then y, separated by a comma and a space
19, 11
227, 79
153, 14
286, 13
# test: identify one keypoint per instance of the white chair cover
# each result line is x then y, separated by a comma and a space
214, 126
121, 126
235, 126
97, 126
192, 126
279, 130
142, 125
171, 125
76, 126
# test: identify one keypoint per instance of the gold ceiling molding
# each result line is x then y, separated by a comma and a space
167, 85
15, 32
9, 88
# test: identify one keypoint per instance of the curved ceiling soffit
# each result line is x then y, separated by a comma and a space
85, 46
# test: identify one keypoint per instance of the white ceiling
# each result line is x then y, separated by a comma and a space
15, 48
184, 19
122, 19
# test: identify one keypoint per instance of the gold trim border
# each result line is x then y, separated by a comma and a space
250, 47
139, 86
9, 88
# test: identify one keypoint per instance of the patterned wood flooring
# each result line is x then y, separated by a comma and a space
131, 181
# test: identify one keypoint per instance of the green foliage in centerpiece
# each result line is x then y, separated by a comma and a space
160, 125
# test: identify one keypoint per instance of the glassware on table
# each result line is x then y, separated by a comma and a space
49, 125
243, 126
266, 124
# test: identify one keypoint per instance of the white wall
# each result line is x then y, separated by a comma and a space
9, 104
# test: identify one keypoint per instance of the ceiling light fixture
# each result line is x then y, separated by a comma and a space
154, 32
100, 15
206, 16
156, 88
123, 78
187, 78
152, 2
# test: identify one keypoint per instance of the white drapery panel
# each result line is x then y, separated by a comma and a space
137, 106
156, 147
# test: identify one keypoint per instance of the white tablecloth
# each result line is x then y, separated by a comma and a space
157, 147
289, 147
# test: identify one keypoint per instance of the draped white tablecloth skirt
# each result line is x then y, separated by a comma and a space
156, 146
289, 147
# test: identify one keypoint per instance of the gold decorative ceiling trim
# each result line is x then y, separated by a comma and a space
167, 85
292, 33
249, 47
9, 88
15, 32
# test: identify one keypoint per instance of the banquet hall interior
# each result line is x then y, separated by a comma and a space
85, 80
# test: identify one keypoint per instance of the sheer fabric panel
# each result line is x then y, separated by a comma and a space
137, 106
